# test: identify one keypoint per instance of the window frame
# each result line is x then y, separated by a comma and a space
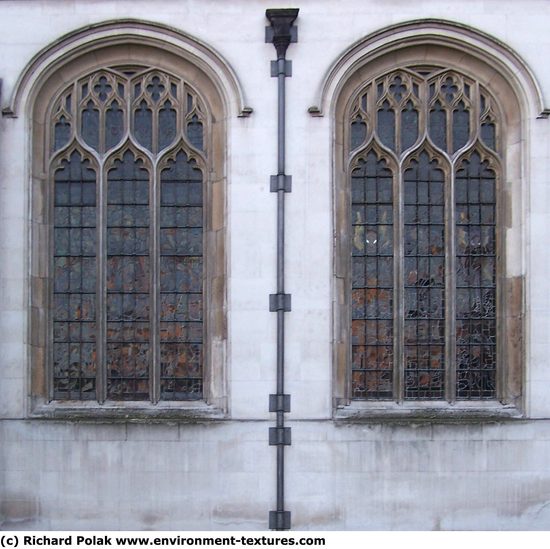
214, 403
510, 308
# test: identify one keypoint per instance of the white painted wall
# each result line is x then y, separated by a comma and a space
61, 475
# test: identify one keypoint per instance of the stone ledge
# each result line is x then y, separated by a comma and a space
426, 412
125, 412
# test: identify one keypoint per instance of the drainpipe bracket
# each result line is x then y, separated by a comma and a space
287, 69
279, 520
279, 302
279, 403
279, 436
280, 182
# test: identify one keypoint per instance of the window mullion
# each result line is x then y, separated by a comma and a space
399, 290
50, 198
154, 377
101, 296
450, 288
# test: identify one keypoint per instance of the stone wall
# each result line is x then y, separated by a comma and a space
220, 474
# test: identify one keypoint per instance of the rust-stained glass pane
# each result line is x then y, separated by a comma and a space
128, 280
74, 301
424, 280
476, 279
181, 280
372, 279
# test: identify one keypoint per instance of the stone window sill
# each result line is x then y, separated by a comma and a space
127, 411
360, 411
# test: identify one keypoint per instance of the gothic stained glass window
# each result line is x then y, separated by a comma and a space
424, 171
127, 161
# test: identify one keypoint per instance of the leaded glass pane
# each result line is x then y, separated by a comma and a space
167, 125
409, 126
74, 305
195, 132
476, 279
114, 125
62, 133
128, 280
143, 125
90, 125
181, 280
358, 132
372, 279
438, 126
424, 280
488, 134
386, 125
461, 126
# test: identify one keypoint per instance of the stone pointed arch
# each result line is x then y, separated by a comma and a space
84, 42
457, 39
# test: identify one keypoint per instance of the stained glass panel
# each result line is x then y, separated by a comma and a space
372, 279
358, 132
62, 133
90, 125
386, 125
461, 126
438, 126
128, 280
488, 134
424, 280
166, 125
195, 132
143, 125
181, 280
114, 125
74, 304
476, 279
409, 126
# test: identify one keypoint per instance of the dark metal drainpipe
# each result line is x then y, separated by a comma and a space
281, 33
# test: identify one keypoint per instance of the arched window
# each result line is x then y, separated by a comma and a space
425, 167
428, 193
127, 164
128, 263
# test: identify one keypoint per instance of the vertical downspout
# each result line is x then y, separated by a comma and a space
281, 34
